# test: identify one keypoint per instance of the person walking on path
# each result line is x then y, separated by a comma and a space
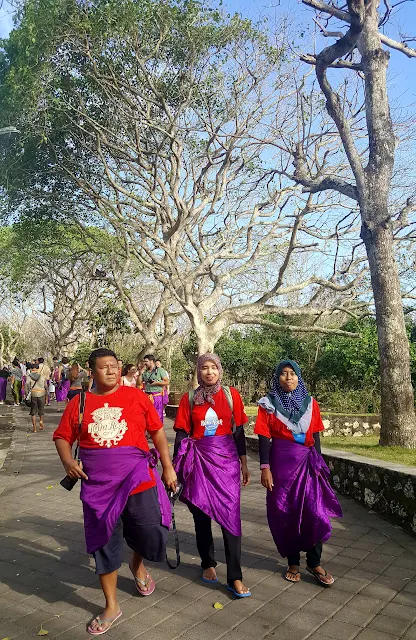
77, 375
300, 500
155, 380
62, 382
209, 441
4, 376
121, 491
16, 382
37, 388
166, 390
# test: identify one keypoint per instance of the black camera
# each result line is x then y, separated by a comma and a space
68, 483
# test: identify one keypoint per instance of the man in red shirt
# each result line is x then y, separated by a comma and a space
121, 491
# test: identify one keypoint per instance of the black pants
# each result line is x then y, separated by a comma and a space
313, 557
205, 544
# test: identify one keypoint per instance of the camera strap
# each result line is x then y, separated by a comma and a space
173, 498
81, 411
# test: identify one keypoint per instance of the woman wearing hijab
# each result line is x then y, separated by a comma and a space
210, 447
299, 500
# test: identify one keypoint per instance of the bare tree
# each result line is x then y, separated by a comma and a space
182, 173
363, 49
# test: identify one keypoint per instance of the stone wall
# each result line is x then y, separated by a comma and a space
387, 488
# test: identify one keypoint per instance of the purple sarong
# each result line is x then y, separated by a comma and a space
159, 406
112, 475
61, 391
302, 500
3, 389
209, 470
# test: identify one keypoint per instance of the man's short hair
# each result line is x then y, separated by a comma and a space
150, 356
100, 353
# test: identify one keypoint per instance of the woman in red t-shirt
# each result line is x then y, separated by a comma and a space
209, 442
121, 491
299, 497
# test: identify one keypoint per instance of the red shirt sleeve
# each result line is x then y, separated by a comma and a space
183, 417
262, 426
153, 422
317, 425
238, 408
68, 425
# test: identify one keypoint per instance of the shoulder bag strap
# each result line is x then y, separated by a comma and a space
82, 399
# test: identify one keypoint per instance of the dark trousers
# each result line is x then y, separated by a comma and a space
313, 557
205, 544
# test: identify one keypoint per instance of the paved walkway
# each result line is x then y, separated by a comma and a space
47, 581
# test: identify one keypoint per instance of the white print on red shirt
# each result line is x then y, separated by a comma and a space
107, 429
211, 422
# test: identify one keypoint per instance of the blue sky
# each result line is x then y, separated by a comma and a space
402, 71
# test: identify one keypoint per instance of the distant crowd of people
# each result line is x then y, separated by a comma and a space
36, 383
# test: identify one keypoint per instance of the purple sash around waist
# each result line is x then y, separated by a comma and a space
302, 500
112, 475
209, 470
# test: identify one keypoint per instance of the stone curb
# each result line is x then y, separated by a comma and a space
16, 453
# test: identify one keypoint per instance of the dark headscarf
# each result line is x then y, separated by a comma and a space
204, 393
291, 404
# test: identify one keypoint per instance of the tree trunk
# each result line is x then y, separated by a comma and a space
398, 423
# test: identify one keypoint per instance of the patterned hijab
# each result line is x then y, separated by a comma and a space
291, 404
204, 393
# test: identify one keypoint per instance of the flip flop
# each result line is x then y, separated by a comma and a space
208, 580
292, 573
149, 582
101, 621
238, 595
314, 573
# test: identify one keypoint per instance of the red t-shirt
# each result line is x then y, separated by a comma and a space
208, 419
119, 419
267, 424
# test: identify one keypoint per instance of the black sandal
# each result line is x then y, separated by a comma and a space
291, 573
317, 576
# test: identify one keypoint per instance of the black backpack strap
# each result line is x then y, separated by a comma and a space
191, 394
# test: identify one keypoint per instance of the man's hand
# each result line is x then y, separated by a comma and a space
169, 478
74, 470
267, 479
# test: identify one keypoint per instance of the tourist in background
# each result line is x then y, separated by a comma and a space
300, 500
16, 382
166, 389
210, 447
155, 380
77, 375
63, 383
37, 388
4, 376
129, 375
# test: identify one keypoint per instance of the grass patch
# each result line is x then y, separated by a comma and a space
368, 446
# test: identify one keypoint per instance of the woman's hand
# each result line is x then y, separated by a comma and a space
169, 477
267, 479
74, 470
245, 474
